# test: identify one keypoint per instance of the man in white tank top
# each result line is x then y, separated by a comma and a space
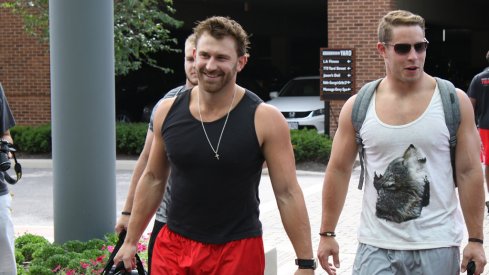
411, 221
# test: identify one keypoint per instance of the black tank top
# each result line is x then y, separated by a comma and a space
214, 201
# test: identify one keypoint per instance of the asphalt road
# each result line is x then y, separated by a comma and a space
32, 203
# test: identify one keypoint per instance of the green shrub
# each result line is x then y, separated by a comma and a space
19, 258
310, 146
36, 261
39, 270
111, 238
47, 251
74, 264
21, 270
29, 249
57, 260
27, 245
75, 246
35, 140
25, 239
72, 257
95, 244
130, 137
92, 253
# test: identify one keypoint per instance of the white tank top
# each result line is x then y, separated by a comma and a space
409, 200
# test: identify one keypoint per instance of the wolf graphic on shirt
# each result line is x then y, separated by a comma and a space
404, 189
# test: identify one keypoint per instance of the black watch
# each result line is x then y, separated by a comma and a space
306, 264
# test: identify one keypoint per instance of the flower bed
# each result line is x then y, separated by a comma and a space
35, 255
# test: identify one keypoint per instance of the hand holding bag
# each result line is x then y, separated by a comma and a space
110, 269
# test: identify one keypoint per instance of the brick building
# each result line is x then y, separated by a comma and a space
24, 62
358, 31
24, 72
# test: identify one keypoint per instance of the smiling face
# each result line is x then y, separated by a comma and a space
217, 62
407, 67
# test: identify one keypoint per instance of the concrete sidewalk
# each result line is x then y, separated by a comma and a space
346, 229
274, 234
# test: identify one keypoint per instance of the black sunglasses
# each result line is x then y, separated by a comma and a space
403, 48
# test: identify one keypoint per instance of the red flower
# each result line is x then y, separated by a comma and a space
141, 247
100, 258
56, 269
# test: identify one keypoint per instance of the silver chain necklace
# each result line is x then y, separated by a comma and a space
223, 127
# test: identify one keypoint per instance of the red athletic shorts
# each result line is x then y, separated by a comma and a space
484, 133
174, 254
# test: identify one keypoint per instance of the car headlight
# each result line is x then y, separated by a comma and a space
318, 112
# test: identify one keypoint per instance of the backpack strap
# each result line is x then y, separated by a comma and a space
358, 114
451, 108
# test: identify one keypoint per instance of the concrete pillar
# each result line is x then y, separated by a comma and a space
83, 118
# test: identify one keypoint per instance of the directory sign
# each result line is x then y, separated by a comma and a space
336, 73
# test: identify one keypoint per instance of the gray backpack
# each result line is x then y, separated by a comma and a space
451, 109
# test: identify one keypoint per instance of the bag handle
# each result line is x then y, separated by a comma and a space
109, 268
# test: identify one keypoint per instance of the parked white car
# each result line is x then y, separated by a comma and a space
300, 103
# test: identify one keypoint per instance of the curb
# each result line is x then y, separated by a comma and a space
48, 164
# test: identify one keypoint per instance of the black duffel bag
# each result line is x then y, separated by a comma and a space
111, 269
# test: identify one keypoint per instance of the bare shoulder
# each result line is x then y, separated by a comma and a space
464, 100
348, 106
265, 110
466, 108
162, 110
346, 112
461, 94
165, 104
269, 122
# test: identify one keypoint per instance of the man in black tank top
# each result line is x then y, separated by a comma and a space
215, 138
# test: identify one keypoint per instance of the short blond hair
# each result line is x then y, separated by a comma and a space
219, 27
190, 40
395, 19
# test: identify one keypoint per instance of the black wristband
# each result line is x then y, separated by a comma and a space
328, 234
476, 240
125, 213
306, 263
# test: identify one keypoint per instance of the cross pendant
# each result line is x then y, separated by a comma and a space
217, 156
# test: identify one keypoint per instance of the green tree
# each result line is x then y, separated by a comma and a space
141, 28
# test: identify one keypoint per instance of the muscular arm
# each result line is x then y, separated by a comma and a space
149, 190
274, 136
123, 220
470, 182
335, 186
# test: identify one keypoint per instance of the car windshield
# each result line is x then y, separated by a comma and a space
301, 87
